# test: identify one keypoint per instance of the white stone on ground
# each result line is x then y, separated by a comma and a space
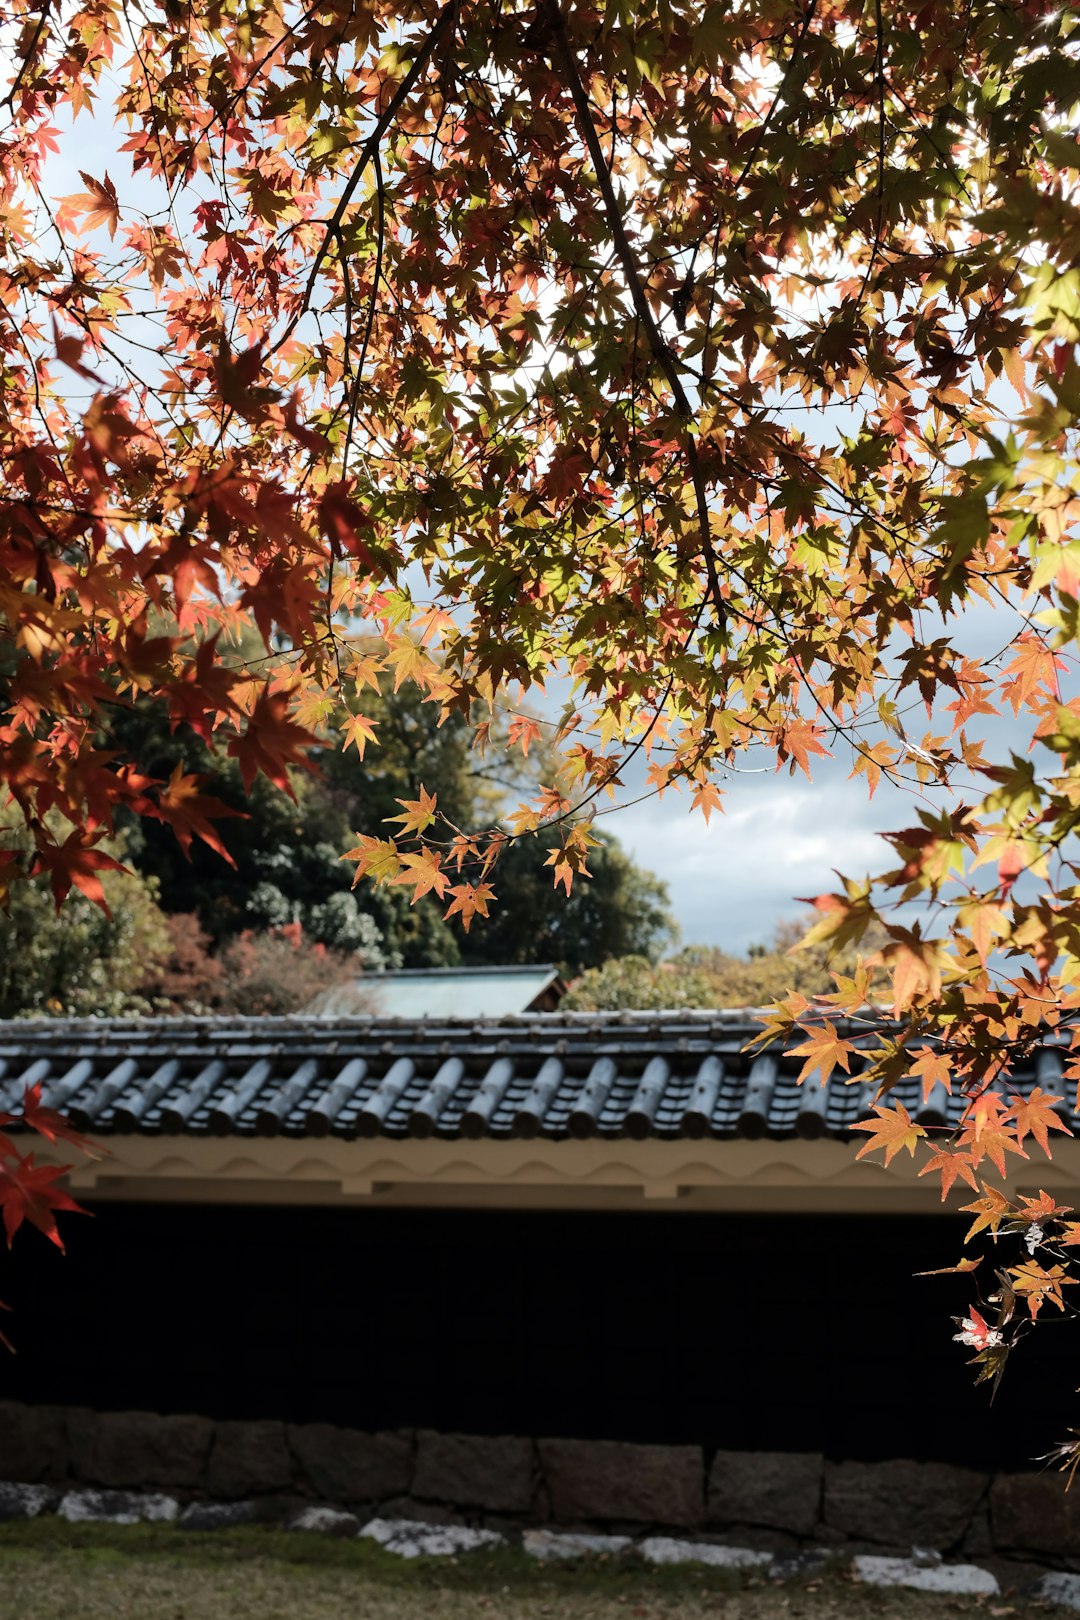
327, 1520
666, 1550
410, 1539
965, 1580
117, 1507
550, 1544
795, 1566
218, 1515
25, 1501
1057, 1588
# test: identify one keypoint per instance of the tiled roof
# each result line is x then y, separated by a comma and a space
670, 1075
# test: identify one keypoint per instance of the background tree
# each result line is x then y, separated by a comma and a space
705, 976
286, 850
84, 959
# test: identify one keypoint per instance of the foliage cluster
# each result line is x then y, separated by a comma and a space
705, 976
717, 363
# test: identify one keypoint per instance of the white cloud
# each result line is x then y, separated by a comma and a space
734, 879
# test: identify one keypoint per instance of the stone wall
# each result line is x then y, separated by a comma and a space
763, 1498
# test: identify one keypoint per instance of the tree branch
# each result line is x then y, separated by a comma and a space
368, 151
658, 345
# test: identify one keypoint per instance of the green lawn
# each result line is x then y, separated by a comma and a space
53, 1571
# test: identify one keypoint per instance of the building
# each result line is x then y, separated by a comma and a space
602, 1227
462, 992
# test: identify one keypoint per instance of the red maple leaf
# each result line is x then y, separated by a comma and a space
29, 1192
271, 743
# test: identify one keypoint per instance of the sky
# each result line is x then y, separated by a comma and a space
732, 880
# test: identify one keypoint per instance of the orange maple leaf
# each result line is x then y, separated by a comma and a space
468, 901
99, 204
423, 869
893, 1129
949, 1165
932, 1068
989, 1212
1038, 1283
707, 798
823, 1051
1034, 1115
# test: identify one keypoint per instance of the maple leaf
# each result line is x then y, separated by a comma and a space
76, 863
345, 523
798, 739
985, 1130
707, 798
933, 1068
53, 1126
419, 814
892, 1130
523, 731
823, 1051
1034, 1115
187, 812
976, 1332
989, 1212
469, 900
358, 731
271, 742
915, 964
377, 858
29, 1193
98, 204
423, 870
949, 1164
1037, 1284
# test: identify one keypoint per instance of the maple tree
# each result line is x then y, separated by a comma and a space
716, 363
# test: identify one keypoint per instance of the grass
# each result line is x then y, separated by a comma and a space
53, 1571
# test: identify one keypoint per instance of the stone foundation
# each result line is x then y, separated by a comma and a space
772, 1499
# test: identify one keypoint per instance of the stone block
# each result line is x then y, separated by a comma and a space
405, 1507
139, 1448
902, 1503
469, 1470
609, 1480
778, 1489
1033, 1513
345, 1465
247, 1459
31, 1442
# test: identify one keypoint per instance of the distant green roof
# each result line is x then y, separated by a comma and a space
483, 992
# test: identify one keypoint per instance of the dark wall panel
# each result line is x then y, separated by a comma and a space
806, 1333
